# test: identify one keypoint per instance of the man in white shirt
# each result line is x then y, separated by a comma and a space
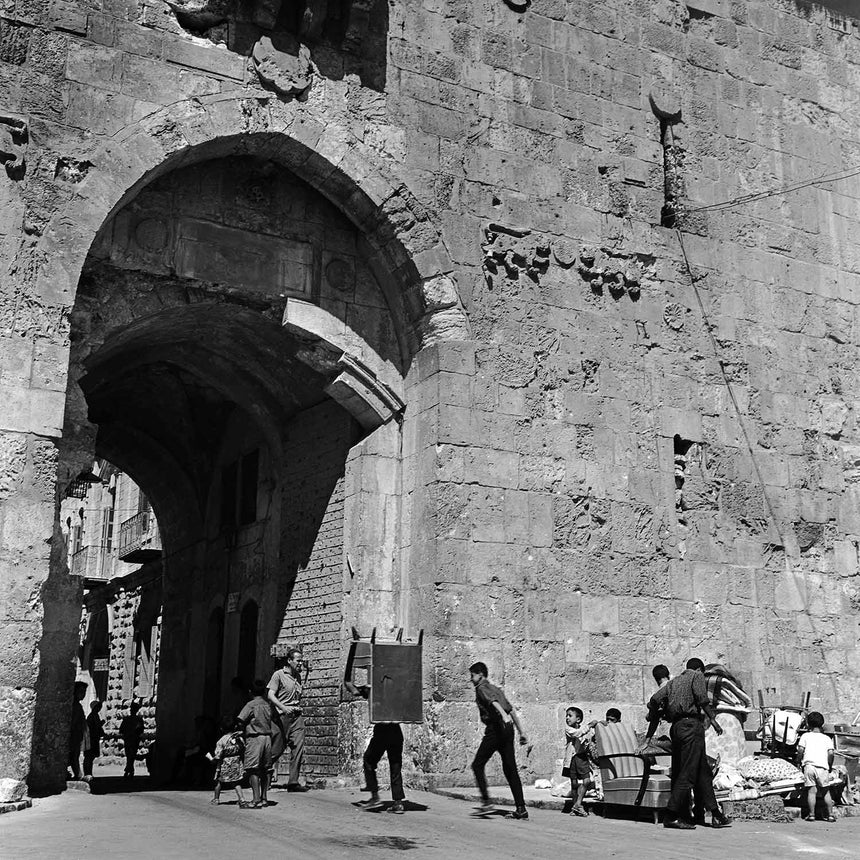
815, 751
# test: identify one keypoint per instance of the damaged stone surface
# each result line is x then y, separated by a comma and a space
474, 195
286, 69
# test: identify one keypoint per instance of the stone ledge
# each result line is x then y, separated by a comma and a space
15, 805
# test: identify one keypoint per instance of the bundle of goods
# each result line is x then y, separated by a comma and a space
774, 774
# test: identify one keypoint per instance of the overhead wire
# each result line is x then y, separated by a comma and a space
755, 196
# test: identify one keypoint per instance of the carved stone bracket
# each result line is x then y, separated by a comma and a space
13, 144
287, 69
512, 252
510, 249
369, 400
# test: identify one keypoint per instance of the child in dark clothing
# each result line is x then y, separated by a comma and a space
577, 763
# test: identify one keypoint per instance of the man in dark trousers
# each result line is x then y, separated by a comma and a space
387, 740
499, 717
284, 692
684, 702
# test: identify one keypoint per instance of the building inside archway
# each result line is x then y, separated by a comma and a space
113, 545
242, 430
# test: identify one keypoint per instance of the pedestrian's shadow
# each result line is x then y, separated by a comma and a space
492, 813
385, 806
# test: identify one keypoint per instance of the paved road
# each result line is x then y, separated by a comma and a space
323, 825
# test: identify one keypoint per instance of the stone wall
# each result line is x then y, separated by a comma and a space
312, 576
134, 637
649, 461
622, 444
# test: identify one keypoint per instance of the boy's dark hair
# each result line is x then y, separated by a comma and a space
479, 669
259, 688
576, 711
613, 714
695, 664
814, 720
659, 672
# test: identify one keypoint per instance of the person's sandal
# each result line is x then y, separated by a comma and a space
830, 819
809, 818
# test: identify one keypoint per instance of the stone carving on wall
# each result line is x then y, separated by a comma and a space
666, 104
599, 268
510, 249
13, 144
514, 251
340, 275
279, 39
288, 72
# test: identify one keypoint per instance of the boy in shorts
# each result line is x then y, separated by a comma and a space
256, 718
578, 766
815, 751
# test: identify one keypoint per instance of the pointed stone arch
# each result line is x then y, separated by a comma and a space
406, 248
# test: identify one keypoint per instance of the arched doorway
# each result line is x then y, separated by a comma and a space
234, 346
407, 259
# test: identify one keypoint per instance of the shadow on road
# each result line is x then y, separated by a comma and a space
385, 806
121, 785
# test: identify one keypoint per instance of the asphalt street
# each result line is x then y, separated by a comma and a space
322, 825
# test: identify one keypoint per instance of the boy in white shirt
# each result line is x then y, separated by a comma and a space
815, 751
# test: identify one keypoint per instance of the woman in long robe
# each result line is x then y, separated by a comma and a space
732, 705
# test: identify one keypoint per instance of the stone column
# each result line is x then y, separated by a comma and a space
36, 593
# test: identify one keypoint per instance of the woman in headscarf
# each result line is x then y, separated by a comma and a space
732, 705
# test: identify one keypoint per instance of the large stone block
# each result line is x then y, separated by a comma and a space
589, 682
16, 726
600, 614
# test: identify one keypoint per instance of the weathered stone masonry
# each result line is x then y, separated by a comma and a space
506, 169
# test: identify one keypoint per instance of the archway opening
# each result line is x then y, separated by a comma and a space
240, 421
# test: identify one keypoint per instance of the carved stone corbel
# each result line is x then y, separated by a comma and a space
358, 390
13, 144
287, 69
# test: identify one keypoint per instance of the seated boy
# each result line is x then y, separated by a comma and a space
613, 715
815, 751
578, 765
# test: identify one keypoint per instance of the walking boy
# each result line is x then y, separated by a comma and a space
256, 718
815, 751
387, 740
131, 731
499, 717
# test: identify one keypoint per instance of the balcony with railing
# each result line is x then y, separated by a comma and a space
139, 539
91, 562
